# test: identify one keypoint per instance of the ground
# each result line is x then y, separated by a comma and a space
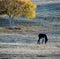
30, 50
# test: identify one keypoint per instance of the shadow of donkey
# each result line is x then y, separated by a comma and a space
40, 36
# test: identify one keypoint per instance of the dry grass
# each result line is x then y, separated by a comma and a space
20, 29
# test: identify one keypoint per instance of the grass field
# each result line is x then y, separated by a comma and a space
30, 51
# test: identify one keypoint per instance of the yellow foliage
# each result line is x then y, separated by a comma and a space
0, 0
31, 14
19, 7
23, 0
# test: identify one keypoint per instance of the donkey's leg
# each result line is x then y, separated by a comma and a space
42, 41
38, 42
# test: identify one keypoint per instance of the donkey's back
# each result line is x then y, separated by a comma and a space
42, 35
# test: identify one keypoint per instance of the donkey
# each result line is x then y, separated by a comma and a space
42, 36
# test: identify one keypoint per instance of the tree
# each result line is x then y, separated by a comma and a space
13, 8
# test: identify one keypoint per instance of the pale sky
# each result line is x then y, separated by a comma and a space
45, 1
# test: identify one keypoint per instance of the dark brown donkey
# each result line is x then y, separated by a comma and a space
42, 36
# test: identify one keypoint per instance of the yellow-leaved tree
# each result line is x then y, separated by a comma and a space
13, 8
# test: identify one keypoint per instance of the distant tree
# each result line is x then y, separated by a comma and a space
13, 8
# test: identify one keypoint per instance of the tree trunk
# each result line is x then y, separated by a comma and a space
11, 22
